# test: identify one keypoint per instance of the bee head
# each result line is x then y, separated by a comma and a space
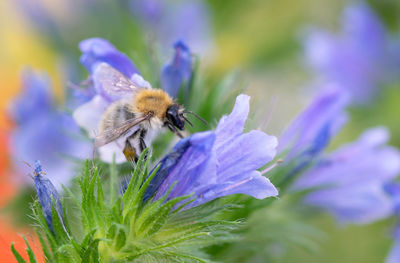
175, 116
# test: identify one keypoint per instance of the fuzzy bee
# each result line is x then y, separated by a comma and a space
140, 115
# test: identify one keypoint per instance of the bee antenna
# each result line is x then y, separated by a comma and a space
197, 116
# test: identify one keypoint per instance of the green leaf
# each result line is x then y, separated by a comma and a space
29, 250
136, 181
67, 254
120, 239
41, 220
47, 254
150, 209
116, 211
17, 256
90, 207
91, 253
155, 220
113, 181
87, 219
138, 197
100, 194
117, 232
72, 195
169, 244
186, 256
76, 246
136, 203
169, 234
60, 231
86, 241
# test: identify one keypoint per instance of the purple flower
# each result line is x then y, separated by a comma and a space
217, 163
393, 189
312, 130
38, 15
358, 58
44, 133
178, 72
394, 254
36, 98
350, 182
172, 20
97, 50
47, 195
88, 115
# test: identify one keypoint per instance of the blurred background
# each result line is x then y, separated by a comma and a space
263, 45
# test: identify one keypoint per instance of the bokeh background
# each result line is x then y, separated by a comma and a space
258, 43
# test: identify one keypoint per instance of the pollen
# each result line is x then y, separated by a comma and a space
153, 100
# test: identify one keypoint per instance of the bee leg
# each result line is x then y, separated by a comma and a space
130, 152
142, 143
174, 130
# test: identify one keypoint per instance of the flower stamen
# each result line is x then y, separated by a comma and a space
272, 166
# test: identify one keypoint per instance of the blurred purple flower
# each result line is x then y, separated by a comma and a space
36, 98
350, 182
212, 164
172, 20
178, 72
38, 15
358, 60
394, 254
98, 50
393, 189
44, 133
312, 130
47, 195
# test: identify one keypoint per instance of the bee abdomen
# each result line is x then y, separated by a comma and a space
115, 114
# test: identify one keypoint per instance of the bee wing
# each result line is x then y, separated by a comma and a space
112, 134
114, 82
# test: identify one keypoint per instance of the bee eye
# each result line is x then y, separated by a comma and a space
175, 117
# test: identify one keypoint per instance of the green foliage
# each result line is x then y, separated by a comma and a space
122, 228
271, 231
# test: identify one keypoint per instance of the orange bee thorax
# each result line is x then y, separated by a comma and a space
152, 100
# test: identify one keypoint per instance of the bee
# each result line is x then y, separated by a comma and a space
140, 115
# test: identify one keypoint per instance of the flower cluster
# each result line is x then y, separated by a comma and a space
349, 183
351, 180
360, 59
